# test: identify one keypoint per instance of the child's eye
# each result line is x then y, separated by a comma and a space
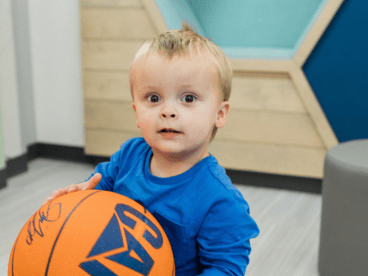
153, 98
188, 98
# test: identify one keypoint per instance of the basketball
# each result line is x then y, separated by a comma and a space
92, 233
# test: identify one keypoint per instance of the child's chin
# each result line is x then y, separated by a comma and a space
170, 148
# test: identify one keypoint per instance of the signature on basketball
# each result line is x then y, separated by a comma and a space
52, 214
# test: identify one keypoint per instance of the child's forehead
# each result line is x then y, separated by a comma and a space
159, 69
144, 68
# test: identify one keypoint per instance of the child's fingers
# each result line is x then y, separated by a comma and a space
54, 194
92, 183
89, 185
72, 188
58, 192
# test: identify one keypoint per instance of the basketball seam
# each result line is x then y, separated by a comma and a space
61, 229
15, 245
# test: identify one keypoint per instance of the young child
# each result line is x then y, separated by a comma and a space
180, 84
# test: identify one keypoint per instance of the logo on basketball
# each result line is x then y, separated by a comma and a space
34, 226
122, 247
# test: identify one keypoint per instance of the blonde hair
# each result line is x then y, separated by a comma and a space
186, 41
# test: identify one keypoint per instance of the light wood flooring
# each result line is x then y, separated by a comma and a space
289, 221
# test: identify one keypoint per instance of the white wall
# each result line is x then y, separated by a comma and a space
9, 100
40, 74
56, 68
24, 71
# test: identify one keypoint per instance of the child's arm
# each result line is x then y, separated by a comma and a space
224, 238
88, 185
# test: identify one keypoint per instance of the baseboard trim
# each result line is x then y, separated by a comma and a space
3, 178
16, 165
76, 154
276, 181
67, 153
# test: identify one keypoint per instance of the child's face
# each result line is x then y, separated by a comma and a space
178, 102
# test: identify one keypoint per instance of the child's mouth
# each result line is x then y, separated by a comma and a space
169, 133
169, 130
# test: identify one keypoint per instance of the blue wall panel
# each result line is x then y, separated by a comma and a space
337, 70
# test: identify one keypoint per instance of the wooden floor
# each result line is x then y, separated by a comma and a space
289, 221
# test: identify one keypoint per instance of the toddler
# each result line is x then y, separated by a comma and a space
180, 83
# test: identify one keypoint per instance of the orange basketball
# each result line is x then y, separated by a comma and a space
92, 233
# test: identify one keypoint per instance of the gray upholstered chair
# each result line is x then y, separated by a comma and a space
344, 224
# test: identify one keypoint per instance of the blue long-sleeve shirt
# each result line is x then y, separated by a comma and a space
204, 216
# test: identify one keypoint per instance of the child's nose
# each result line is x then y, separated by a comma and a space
168, 111
168, 115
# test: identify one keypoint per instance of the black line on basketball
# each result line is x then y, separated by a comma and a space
61, 229
15, 246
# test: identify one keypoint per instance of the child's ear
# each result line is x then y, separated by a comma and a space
222, 114
134, 108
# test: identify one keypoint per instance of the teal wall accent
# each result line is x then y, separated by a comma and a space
254, 24
2, 152
258, 53
309, 25
262, 29
175, 11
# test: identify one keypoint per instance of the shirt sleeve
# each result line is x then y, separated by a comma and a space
223, 239
119, 162
109, 171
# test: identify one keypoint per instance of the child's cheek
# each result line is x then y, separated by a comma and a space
143, 114
142, 117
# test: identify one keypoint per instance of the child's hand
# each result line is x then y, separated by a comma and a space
88, 185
